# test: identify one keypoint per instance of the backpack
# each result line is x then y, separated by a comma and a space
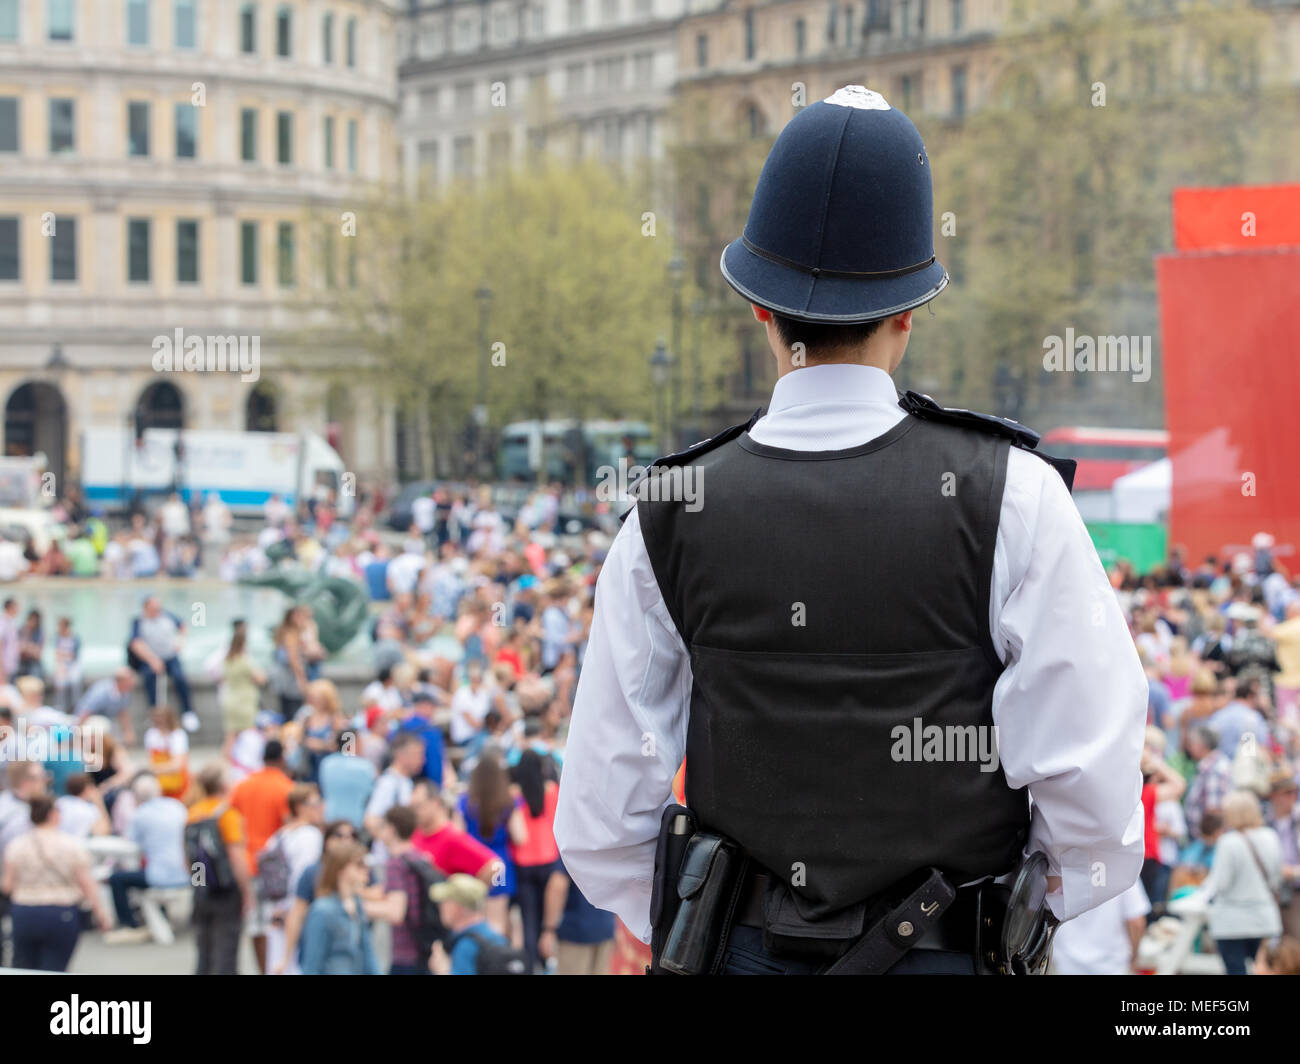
206, 852
494, 958
426, 923
273, 870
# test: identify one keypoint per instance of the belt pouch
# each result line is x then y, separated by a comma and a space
706, 890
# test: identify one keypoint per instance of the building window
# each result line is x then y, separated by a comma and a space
8, 123
327, 39
137, 22
462, 156
352, 145
329, 254
284, 138
329, 142
248, 29
429, 101
63, 126
427, 162
63, 250
575, 13
62, 16
906, 89
137, 250
248, 253
187, 131
750, 42
643, 68
137, 129
187, 251
956, 16
284, 31
833, 24
575, 79
185, 20
609, 11
905, 18
248, 134
958, 91
9, 20
800, 36
9, 260
701, 50
284, 254
350, 42
464, 96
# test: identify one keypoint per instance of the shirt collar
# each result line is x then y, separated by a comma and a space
838, 382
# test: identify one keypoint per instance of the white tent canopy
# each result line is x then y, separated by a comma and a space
1142, 497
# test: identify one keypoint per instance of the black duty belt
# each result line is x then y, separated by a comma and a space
954, 931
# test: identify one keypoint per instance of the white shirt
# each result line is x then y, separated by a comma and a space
1070, 706
467, 702
1097, 942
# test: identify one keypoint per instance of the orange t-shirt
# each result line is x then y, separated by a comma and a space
230, 823
262, 799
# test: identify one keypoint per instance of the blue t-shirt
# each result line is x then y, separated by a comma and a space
433, 746
376, 574
582, 922
346, 781
464, 951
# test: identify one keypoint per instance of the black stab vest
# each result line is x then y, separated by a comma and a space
829, 599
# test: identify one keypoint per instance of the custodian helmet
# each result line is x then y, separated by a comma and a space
841, 228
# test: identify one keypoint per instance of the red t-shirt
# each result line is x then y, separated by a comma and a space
540, 849
1150, 837
452, 850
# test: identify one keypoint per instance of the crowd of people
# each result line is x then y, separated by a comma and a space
1220, 643
422, 802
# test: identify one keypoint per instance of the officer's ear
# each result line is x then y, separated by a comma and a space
761, 314
904, 321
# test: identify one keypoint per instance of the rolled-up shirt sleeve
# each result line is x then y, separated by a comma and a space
627, 737
1070, 707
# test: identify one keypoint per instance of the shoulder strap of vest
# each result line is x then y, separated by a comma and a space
691, 452
1021, 436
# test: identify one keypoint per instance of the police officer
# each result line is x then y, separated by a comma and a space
872, 629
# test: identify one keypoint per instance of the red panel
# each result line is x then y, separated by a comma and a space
1210, 219
1230, 328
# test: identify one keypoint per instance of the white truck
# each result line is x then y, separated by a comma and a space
244, 468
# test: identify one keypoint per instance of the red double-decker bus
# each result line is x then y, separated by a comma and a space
1105, 455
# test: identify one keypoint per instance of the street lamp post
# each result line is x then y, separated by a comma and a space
484, 297
676, 278
659, 366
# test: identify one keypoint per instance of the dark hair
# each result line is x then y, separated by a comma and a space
402, 740
335, 827
41, 808
401, 818
75, 785
529, 775
1211, 821
819, 338
273, 753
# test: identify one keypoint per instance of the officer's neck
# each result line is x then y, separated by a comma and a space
887, 361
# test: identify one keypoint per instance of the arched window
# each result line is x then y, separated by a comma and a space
261, 410
160, 406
